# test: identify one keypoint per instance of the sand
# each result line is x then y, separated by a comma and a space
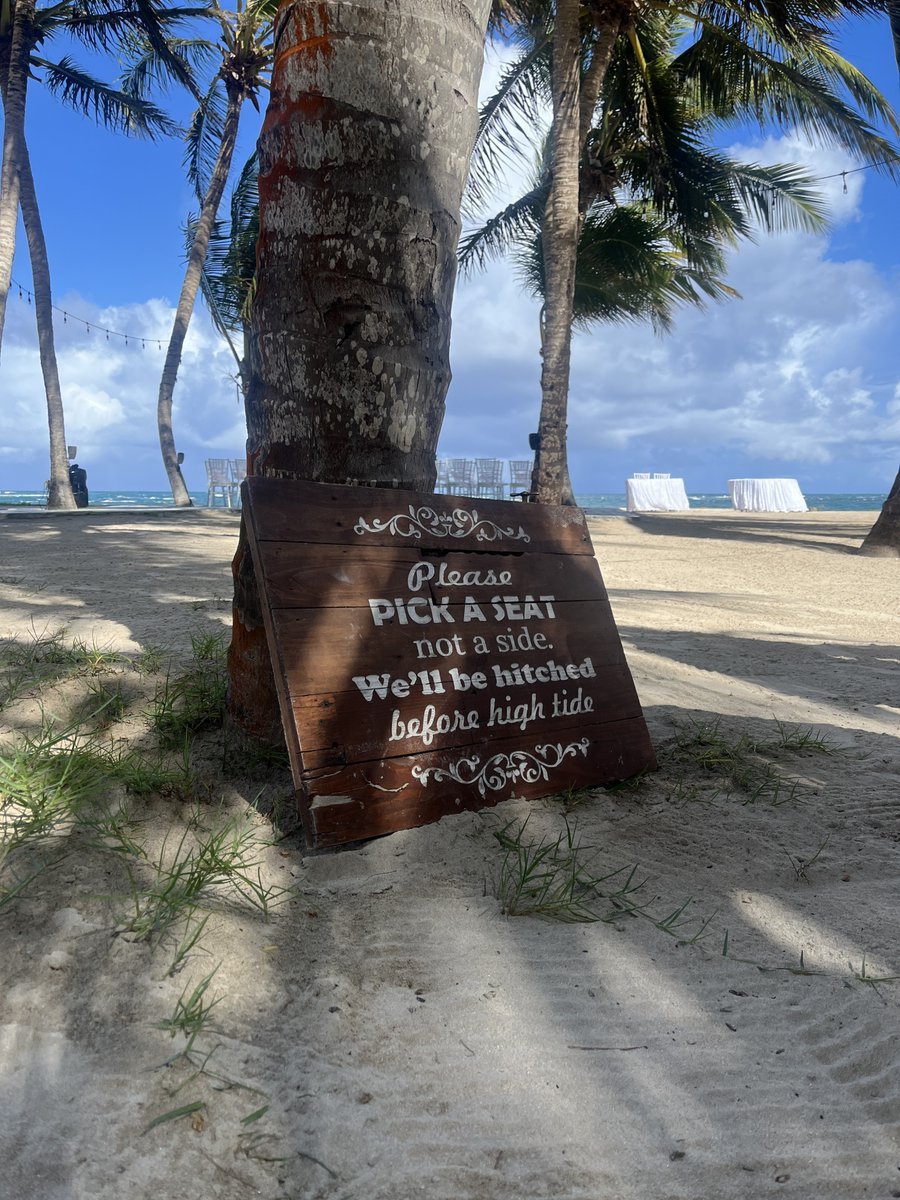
408, 1038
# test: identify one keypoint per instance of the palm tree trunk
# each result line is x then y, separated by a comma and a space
60, 488
188, 297
363, 157
13, 85
550, 480
883, 539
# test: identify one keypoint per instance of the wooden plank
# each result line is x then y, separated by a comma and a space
291, 511
344, 727
298, 575
433, 654
322, 650
368, 799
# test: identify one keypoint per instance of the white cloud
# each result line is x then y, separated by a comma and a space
799, 374
110, 395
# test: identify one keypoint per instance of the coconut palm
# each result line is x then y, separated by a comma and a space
363, 157
243, 56
24, 31
770, 63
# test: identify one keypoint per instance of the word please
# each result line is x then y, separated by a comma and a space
420, 611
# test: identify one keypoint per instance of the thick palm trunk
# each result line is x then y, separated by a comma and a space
550, 480
60, 488
363, 157
188, 297
13, 85
883, 539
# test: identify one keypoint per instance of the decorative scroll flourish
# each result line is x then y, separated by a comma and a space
459, 523
503, 769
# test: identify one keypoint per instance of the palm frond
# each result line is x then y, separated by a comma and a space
146, 71
508, 121
204, 136
628, 269
495, 237
780, 196
109, 106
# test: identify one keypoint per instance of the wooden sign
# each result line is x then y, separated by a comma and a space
436, 653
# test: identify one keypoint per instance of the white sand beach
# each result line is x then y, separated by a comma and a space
387, 1032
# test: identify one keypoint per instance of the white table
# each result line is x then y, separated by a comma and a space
766, 495
655, 495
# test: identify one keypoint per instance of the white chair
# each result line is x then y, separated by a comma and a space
461, 476
520, 475
238, 475
489, 478
219, 481
442, 483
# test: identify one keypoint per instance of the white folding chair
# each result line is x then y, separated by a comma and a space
520, 475
238, 475
442, 483
219, 481
461, 476
489, 478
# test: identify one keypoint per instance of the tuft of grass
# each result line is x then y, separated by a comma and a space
192, 1011
743, 762
149, 661
218, 864
195, 700
544, 878
552, 878
47, 780
106, 702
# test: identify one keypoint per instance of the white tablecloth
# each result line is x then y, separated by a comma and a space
766, 495
655, 495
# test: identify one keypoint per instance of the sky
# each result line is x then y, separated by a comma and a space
797, 378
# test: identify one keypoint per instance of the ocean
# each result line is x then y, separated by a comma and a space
821, 501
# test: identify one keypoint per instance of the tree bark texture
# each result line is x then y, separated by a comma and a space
60, 488
550, 481
188, 297
883, 539
363, 157
14, 59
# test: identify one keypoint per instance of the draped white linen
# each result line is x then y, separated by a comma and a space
766, 495
655, 495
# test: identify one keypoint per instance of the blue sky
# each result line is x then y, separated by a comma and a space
798, 378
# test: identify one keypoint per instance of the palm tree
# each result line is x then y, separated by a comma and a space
244, 59
363, 157
883, 539
764, 62
23, 31
655, 215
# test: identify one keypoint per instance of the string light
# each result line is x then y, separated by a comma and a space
128, 338
24, 292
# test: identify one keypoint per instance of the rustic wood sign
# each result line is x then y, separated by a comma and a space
436, 653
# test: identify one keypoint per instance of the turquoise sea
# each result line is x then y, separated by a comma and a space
824, 502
